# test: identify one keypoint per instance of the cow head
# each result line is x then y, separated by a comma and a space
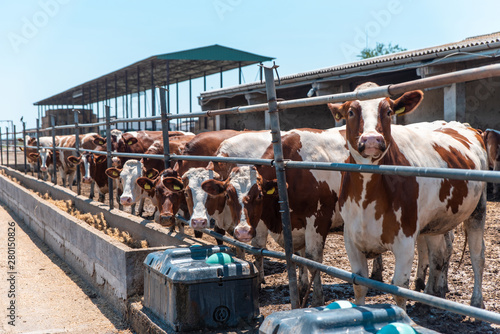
167, 189
200, 204
244, 191
128, 175
90, 165
368, 126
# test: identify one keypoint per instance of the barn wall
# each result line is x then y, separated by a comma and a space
483, 103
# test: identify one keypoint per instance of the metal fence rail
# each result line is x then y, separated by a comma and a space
273, 106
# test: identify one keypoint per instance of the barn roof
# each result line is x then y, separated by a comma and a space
469, 48
182, 65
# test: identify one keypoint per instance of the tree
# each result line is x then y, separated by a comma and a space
379, 50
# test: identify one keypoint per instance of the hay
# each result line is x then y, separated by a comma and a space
96, 221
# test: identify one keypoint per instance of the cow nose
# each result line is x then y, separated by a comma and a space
43, 169
243, 233
125, 200
87, 179
198, 223
371, 142
167, 220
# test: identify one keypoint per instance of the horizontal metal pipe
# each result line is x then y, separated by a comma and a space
357, 279
448, 173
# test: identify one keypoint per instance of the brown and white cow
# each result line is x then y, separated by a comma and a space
44, 154
253, 197
67, 168
492, 141
170, 197
388, 212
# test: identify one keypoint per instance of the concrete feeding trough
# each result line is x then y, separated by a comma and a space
115, 270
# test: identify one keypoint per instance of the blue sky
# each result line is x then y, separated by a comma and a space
48, 46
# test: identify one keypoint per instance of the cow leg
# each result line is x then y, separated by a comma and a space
303, 277
220, 231
71, 178
403, 252
439, 260
140, 210
474, 227
359, 266
377, 269
260, 241
91, 194
423, 263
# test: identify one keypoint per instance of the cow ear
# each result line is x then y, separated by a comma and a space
21, 148
113, 172
152, 173
20, 140
74, 160
270, 188
131, 141
33, 155
173, 184
99, 159
213, 187
408, 102
145, 184
99, 141
339, 111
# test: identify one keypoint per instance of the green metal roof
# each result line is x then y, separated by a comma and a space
180, 66
215, 52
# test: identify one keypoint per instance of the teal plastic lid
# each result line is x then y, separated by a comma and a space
220, 258
397, 328
339, 304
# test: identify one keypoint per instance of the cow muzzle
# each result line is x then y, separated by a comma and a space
126, 200
87, 179
198, 223
43, 169
371, 144
244, 233
167, 220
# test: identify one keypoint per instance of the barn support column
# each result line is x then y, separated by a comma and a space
454, 102
153, 97
138, 97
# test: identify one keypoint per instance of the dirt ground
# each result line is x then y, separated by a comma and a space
274, 294
47, 296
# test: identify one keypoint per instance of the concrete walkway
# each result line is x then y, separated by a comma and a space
40, 294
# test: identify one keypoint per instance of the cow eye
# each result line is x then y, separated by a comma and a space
389, 112
350, 113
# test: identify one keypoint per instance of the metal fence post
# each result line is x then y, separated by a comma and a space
54, 160
108, 154
38, 147
1, 147
7, 143
24, 149
77, 146
14, 142
164, 127
281, 178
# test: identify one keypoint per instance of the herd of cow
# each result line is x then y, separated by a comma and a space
375, 212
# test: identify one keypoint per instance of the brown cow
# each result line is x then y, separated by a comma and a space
492, 141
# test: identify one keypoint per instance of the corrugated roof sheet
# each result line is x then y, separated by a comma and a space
469, 45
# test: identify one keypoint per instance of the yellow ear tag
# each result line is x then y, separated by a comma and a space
338, 117
101, 142
271, 191
130, 142
400, 111
115, 173
147, 186
177, 187
150, 175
